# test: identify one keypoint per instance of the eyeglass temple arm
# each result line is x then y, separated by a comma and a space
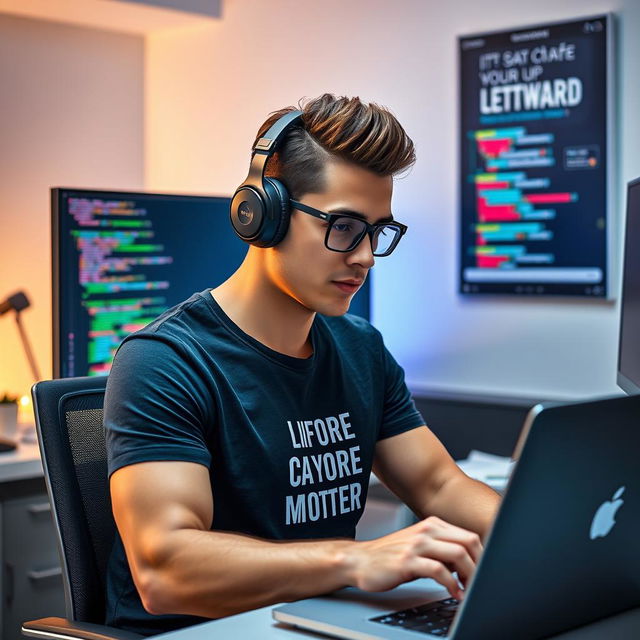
309, 210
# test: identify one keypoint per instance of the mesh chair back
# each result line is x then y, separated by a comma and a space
72, 445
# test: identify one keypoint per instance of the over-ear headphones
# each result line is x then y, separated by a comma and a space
260, 206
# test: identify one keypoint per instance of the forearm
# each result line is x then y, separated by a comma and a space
213, 574
466, 503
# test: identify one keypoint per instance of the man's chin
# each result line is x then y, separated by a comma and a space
334, 313
335, 309
327, 305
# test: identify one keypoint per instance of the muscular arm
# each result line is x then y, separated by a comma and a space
164, 511
419, 470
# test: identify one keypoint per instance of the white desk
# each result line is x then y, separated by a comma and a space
22, 464
260, 624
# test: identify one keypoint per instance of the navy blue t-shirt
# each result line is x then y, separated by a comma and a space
289, 442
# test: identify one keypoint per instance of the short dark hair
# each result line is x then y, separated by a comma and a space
367, 135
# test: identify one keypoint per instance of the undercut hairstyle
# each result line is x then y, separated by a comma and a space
366, 135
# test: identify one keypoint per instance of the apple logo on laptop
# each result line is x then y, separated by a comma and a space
604, 519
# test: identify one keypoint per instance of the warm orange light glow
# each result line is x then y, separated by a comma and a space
117, 16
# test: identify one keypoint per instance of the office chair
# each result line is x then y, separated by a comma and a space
69, 424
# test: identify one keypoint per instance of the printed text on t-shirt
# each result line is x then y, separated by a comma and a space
326, 466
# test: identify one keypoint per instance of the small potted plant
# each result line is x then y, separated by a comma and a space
8, 416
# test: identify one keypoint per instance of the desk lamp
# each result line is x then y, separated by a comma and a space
18, 302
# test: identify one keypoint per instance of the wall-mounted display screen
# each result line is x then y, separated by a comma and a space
535, 156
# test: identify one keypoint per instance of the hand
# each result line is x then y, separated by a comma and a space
431, 548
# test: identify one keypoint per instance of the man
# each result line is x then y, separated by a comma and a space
242, 425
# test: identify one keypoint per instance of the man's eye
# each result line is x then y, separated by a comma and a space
342, 227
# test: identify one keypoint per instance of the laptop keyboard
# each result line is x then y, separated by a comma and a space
434, 618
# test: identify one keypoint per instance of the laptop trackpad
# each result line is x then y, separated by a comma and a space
347, 613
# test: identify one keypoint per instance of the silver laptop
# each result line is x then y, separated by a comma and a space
564, 549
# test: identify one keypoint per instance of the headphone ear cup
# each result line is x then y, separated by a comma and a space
260, 208
280, 212
247, 214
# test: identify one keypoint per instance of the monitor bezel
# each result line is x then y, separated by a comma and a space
625, 383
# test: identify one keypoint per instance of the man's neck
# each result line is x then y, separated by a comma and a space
264, 311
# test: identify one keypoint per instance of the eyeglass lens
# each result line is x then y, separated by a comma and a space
346, 233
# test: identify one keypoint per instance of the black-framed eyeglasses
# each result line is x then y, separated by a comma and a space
345, 232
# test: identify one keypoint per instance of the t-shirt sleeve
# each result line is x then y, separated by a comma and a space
155, 406
399, 411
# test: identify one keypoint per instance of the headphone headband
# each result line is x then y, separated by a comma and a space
269, 142
260, 206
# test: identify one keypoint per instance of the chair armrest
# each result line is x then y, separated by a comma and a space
58, 628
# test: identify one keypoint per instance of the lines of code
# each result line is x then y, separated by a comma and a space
118, 256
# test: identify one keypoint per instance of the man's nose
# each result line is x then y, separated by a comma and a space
363, 253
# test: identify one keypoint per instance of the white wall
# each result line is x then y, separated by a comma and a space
71, 114
209, 88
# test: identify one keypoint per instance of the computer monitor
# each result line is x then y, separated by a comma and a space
122, 258
629, 340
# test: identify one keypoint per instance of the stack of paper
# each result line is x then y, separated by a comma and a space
488, 468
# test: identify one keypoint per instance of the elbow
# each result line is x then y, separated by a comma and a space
151, 572
157, 597
165, 588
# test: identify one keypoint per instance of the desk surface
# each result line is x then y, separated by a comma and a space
24, 463
260, 624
